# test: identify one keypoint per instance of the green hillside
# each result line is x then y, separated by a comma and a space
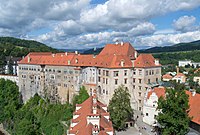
174, 48
10, 46
15, 47
174, 57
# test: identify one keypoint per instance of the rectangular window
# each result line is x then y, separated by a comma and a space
23, 76
133, 80
125, 72
107, 73
152, 72
147, 114
106, 80
140, 72
140, 80
149, 81
140, 101
157, 71
156, 80
116, 81
133, 86
140, 87
104, 72
99, 79
116, 73
139, 93
103, 80
65, 85
146, 72
52, 77
125, 81
99, 71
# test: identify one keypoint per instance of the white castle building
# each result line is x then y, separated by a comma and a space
60, 75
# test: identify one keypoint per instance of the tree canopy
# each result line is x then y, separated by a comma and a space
35, 117
173, 118
9, 100
81, 97
120, 108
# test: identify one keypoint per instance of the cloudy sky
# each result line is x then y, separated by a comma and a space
71, 24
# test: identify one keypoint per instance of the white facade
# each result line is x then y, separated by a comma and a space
183, 63
149, 109
11, 78
197, 79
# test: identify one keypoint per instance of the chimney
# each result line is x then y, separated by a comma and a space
68, 62
76, 52
177, 69
66, 53
117, 42
156, 62
122, 63
29, 59
193, 93
53, 55
76, 61
135, 54
122, 43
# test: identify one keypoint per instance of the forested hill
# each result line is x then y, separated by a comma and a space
174, 48
15, 47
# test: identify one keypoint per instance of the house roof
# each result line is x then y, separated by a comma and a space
145, 60
167, 76
159, 91
194, 102
112, 56
180, 75
83, 128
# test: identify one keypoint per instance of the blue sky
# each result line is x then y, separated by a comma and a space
82, 24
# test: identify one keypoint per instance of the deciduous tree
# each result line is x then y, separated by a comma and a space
173, 118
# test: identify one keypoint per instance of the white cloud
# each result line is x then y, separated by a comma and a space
76, 23
22, 16
185, 23
168, 39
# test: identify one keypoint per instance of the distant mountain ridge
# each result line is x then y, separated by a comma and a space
191, 46
195, 45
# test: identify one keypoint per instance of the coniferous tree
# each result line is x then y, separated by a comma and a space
120, 108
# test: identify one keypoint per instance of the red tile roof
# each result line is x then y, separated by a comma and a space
112, 56
145, 60
194, 102
180, 75
167, 76
82, 128
119, 49
159, 91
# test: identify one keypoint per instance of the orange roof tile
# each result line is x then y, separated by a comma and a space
180, 75
167, 76
112, 56
194, 102
145, 60
82, 127
160, 91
